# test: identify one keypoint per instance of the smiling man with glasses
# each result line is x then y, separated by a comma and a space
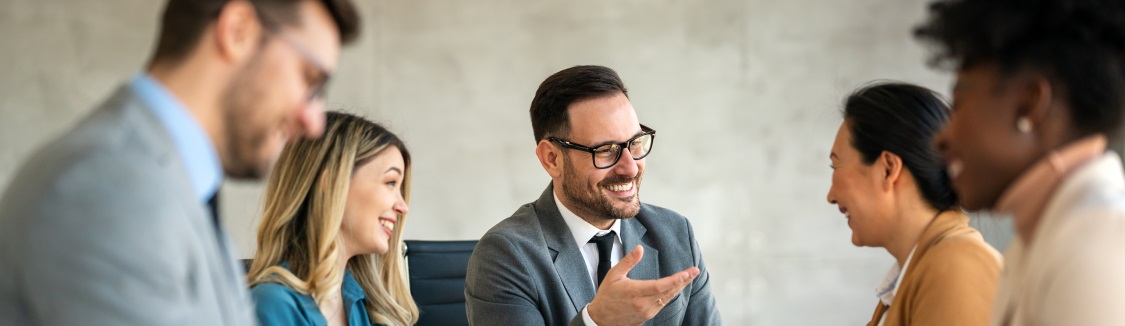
116, 221
588, 252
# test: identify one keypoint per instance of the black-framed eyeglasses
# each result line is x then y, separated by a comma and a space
318, 85
606, 155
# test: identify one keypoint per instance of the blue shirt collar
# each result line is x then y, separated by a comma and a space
192, 144
350, 289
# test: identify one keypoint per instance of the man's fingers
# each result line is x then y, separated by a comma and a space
626, 264
668, 286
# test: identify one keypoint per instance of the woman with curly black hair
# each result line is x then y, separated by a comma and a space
1040, 90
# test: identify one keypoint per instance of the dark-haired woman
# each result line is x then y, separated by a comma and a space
1040, 90
891, 186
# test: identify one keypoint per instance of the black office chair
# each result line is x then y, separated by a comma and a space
437, 280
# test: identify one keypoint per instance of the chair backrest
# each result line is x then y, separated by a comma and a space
437, 280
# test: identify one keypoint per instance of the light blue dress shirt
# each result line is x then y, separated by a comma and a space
277, 304
192, 144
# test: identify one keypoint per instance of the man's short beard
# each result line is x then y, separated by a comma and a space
588, 199
244, 130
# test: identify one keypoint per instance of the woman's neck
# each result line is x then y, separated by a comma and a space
342, 265
333, 310
913, 220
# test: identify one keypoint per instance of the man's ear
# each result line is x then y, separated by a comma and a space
550, 156
891, 166
237, 31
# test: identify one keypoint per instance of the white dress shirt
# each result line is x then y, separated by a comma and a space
889, 286
582, 232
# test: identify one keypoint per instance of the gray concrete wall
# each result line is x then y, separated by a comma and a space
745, 96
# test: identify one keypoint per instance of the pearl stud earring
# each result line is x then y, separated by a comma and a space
1023, 124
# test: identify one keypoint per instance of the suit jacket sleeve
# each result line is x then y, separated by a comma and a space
129, 272
499, 289
701, 309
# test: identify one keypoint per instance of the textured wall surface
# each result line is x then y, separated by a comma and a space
744, 94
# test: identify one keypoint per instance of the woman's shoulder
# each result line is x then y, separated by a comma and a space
277, 304
272, 294
272, 288
273, 291
965, 249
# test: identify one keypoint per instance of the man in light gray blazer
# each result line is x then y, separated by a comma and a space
562, 259
115, 222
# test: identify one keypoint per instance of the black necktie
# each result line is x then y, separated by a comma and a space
605, 249
213, 207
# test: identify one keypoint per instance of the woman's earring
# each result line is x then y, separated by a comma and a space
1023, 124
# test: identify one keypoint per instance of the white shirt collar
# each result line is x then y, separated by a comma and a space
889, 286
581, 230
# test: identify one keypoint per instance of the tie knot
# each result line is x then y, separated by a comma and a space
605, 238
605, 249
605, 245
213, 206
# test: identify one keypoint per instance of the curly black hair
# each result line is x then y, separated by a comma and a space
1079, 45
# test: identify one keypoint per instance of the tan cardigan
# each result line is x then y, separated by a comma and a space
951, 279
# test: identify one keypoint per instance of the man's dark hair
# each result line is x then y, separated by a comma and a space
549, 115
901, 118
1079, 45
184, 21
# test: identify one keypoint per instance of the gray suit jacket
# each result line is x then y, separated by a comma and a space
101, 227
527, 270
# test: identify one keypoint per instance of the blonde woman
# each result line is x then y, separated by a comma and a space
329, 243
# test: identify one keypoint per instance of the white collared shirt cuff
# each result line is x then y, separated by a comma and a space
586, 316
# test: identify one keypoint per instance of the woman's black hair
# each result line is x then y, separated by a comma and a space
902, 119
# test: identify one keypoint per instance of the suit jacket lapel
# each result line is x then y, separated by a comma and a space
163, 148
632, 234
569, 264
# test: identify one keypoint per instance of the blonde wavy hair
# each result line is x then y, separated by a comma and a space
304, 207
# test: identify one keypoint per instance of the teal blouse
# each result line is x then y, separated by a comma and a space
277, 304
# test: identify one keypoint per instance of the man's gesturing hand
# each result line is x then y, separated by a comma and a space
622, 301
